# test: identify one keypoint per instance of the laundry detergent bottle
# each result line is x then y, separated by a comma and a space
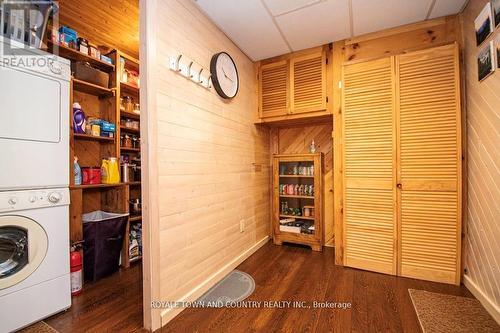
110, 173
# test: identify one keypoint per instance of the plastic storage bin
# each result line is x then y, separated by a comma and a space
103, 235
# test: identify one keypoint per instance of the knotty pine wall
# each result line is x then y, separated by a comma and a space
111, 23
212, 161
482, 244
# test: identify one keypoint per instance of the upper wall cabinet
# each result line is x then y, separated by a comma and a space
294, 86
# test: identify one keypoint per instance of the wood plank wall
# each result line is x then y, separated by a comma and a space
482, 243
371, 46
296, 140
213, 162
111, 23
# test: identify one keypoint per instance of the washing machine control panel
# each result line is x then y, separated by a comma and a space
23, 200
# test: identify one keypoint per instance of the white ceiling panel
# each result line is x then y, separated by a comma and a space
375, 15
279, 7
315, 25
446, 7
267, 28
248, 25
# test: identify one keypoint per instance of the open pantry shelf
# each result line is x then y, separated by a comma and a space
75, 55
79, 136
92, 89
297, 208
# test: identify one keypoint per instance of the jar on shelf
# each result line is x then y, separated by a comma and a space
127, 141
122, 104
137, 108
129, 105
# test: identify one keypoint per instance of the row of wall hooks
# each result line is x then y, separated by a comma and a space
191, 70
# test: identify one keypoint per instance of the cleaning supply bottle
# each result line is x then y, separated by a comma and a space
77, 171
105, 171
110, 173
79, 119
114, 170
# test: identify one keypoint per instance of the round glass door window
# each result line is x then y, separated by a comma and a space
13, 250
23, 246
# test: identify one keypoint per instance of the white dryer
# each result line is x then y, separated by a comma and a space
34, 256
34, 119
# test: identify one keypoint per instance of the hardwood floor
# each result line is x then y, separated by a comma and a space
113, 304
379, 303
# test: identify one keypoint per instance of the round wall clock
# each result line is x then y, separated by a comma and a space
224, 75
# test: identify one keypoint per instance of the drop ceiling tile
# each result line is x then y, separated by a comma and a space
376, 15
278, 7
446, 7
316, 25
248, 25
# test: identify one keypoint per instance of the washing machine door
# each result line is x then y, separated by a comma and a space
23, 246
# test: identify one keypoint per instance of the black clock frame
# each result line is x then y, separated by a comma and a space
215, 81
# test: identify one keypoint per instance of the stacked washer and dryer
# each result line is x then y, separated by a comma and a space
34, 193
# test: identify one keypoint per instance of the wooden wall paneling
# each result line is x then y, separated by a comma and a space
296, 140
430, 164
369, 178
398, 40
482, 248
212, 162
338, 218
111, 23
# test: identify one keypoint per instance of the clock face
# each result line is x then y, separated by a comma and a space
224, 75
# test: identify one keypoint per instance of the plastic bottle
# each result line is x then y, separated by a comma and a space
77, 171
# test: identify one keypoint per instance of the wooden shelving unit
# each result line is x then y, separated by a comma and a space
290, 170
104, 103
133, 189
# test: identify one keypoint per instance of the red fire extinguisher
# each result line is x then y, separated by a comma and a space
75, 260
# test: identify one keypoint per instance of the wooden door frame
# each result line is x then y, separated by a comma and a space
149, 177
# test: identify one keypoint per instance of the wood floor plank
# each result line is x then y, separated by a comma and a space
379, 303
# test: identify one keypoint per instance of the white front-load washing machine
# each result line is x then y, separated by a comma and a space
34, 256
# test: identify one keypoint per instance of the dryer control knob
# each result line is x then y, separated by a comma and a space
12, 201
54, 197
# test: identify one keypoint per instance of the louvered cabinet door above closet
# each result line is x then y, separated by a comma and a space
430, 164
369, 176
308, 83
273, 89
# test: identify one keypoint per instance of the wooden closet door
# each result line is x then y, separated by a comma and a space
429, 173
369, 166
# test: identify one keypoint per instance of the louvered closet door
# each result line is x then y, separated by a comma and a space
308, 83
273, 89
369, 177
430, 164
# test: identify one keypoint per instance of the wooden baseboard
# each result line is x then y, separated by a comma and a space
194, 294
489, 305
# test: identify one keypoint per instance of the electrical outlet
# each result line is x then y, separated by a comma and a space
242, 226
